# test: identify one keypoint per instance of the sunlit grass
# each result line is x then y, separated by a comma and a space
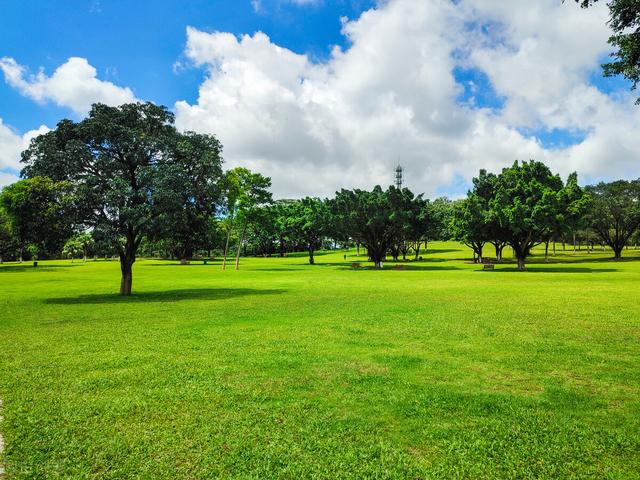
285, 370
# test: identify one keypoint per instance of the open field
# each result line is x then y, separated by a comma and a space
284, 370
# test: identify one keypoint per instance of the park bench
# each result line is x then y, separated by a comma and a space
355, 266
487, 264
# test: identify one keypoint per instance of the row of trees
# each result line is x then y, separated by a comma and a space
124, 179
527, 205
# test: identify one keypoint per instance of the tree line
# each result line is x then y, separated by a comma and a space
124, 182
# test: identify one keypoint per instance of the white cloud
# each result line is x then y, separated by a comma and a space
11, 145
392, 96
74, 84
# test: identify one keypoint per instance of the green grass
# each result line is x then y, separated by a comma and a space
284, 370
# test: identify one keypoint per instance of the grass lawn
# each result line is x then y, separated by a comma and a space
285, 370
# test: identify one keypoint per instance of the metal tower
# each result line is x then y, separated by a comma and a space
399, 174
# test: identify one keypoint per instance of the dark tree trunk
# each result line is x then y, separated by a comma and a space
617, 252
521, 264
418, 244
127, 277
311, 260
546, 251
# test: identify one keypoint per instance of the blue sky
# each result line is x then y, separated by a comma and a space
443, 87
136, 43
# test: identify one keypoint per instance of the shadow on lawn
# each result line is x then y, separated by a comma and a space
568, 269
20, 268
163, 296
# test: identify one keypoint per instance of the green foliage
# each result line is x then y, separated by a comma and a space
39, 211
615, 212
624, 20
189, 189
309, 221
376, 219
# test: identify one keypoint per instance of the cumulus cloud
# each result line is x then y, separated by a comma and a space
392, 96
12, 144
74, 84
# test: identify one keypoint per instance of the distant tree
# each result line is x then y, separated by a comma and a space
188, 192
310, 222
375, 219
441, 211
484, 188
422, 227
527, 204
624, 20
615, 212
8, 242
469, 224
72, 248
86, 243
38, 211
118, 160
246, 193
574, 203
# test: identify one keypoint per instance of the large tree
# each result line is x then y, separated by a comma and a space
118, 160
624, 20
615, 212
375, 219
527, 204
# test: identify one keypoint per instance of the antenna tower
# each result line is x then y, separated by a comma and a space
399, 175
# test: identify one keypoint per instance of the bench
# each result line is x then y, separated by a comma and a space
487, 266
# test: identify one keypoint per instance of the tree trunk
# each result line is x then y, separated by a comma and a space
226, 248
546, 251
418, 250
554, 248
617, 252
574, 243
240, 240
127, 277
357, 249
521, 265
311, 260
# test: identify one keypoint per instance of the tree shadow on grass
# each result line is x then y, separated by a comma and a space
567, 269
20, 268
163, 296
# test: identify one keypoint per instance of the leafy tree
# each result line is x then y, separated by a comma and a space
38, 211
615, 212
244, 193
375, 219
72, 248
469, 225
188, 192
624, 20
310, 222
527, 205
118, 160
8, 242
